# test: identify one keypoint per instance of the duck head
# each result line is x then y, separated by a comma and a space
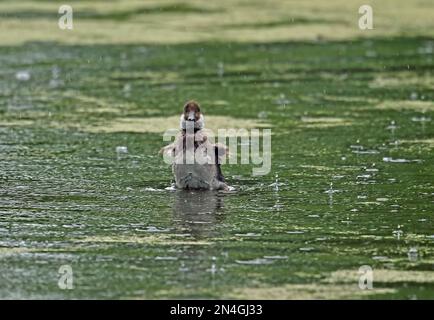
192, 117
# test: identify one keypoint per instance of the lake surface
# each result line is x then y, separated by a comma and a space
351, 184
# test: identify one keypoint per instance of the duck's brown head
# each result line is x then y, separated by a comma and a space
192, 111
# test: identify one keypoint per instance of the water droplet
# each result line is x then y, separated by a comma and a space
414, 96
23, 75
220, 69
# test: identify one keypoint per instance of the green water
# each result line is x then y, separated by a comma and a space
67, 198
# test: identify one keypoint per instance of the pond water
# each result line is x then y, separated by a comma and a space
351, 183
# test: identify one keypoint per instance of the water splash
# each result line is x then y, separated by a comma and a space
422, 120
392, 127
398, 233
330, 192
257, 261
220, 69
126, 90
213, 269
389, 159
121, 151
276, 184
282, 101
172, 187
412, 254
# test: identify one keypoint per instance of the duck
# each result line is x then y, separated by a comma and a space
196, 161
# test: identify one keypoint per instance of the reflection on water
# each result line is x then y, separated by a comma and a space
197, 212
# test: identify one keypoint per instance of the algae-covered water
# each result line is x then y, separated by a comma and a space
351, 183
